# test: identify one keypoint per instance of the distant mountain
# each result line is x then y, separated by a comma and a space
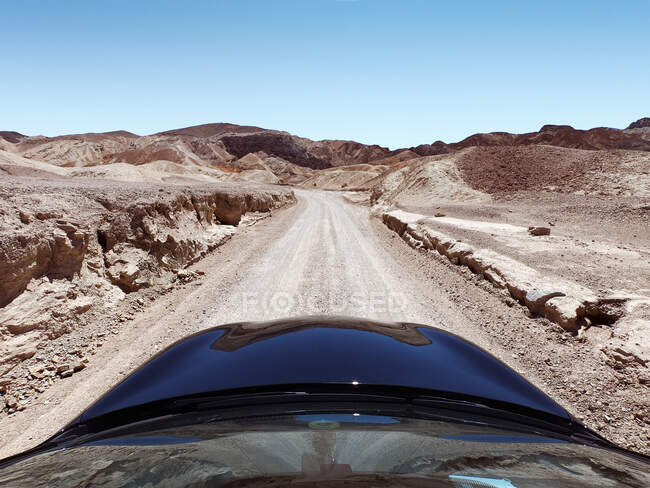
552, 135
220, 145
216, 145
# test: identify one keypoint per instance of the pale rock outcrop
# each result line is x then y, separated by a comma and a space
564, 302
67, 250
423, 180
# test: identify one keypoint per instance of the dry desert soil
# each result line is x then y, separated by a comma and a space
536, 247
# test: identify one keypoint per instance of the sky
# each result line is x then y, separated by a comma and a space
393, 73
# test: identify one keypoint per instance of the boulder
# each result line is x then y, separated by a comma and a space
536, 298
539, 231
564, 311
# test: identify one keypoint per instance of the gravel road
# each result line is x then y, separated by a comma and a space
321, 256
327, 262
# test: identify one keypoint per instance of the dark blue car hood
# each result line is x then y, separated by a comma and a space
322, 350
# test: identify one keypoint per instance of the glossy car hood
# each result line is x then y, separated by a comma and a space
336, 350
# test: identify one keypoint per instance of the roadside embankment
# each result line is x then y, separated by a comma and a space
71, 251
567, 303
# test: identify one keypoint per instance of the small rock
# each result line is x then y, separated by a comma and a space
563, 311
78, 366
45, 215
439, 214
11, 401
24, 217
35, 373
62, 367
66, 373
539, 231
535, 299
185, 275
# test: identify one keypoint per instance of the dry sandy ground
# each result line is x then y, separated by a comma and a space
602, 243
326, 256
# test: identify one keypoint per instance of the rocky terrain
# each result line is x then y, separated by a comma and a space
71, 251
547, 233
552, 227
562, 233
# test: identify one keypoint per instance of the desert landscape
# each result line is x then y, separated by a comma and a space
534, 246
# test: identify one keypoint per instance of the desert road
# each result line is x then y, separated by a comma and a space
328, 261
322, 255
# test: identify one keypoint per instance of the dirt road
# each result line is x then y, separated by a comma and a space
321, 256
327, 262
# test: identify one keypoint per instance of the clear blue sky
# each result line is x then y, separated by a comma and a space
395, 73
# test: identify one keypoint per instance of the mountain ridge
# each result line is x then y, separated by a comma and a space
222, 143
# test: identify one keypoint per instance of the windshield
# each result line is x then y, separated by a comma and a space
329, 449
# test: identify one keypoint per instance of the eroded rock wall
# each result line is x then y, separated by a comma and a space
68, 248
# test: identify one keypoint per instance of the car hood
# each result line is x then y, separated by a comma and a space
323, 350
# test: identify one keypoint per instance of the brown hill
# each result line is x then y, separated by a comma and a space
288, 173
505, 170
282, 145
552, 135
396, 158
640, 124
437, 147
11, 136
213, 130
343, 153
483, 174
158, 150
96, 136
598, 138
302, 151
